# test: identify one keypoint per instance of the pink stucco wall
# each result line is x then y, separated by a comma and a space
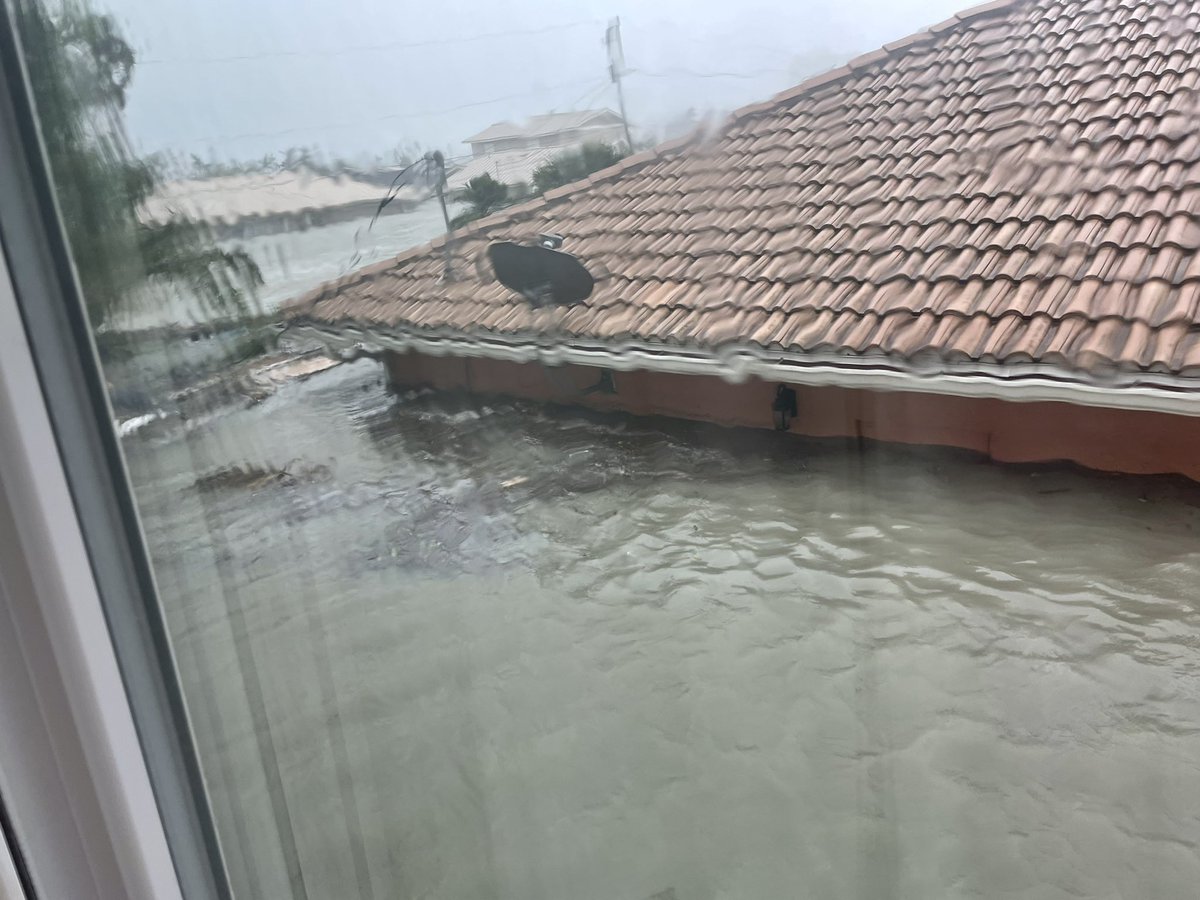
1107, 439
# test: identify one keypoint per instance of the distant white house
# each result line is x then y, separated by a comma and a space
568, 129
512, 153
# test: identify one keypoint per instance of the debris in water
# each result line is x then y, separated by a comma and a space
126, 427
301, 367
252, 478
253, 382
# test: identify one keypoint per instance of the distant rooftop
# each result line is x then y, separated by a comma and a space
229, 199
545, 124
497, 131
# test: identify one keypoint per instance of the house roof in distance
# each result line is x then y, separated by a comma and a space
544, 124
496, 131
230, 198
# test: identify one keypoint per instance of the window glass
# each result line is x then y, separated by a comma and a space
658, 451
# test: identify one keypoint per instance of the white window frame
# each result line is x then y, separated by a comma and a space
100, 785
71, 768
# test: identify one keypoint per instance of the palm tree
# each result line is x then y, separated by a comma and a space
482, 195
80, 68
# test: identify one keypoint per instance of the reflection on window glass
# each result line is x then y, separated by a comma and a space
665, 451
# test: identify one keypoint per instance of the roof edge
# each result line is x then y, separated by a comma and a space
873, 58
1019, 383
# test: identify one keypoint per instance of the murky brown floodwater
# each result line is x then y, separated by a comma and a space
498, 653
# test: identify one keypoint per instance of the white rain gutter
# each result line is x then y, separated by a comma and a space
1020, 382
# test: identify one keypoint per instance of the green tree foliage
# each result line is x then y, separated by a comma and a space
483, 194
80, 68
575, 166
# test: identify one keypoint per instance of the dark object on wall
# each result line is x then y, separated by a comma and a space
605, 385
783, 408
542, 275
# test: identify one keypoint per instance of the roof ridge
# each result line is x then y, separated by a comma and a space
872, 58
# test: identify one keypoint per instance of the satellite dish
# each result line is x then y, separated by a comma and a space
543, 275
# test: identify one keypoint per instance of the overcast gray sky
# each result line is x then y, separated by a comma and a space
240, 78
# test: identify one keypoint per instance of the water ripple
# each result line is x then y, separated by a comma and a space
616, 654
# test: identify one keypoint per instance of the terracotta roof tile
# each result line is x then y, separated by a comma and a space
1018, 183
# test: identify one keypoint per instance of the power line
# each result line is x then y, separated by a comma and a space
586, 97
394, 188
368, 48
676, 72
708, 44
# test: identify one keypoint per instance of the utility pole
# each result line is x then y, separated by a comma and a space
616, 68
438, 162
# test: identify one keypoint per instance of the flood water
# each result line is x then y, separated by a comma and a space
489, 650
